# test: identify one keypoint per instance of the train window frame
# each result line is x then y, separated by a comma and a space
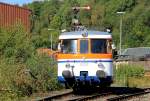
88, 46
109, 46
100, 51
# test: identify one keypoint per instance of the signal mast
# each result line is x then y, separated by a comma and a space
76, 24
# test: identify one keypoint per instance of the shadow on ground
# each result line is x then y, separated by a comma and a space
114, 90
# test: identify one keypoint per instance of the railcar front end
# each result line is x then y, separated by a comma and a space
85, 58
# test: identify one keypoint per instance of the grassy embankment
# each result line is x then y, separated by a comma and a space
131, 76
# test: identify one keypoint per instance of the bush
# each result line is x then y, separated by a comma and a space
44, 72
22, 71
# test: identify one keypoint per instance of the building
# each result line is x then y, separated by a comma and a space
138, 56
12, 14
138, 53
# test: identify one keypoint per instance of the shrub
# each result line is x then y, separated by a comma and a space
21, 70
44, 73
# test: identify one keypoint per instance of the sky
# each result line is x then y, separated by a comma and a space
19, 2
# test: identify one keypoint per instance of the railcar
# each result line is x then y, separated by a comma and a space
85, 59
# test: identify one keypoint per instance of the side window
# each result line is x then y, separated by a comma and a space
109, 47
84, 46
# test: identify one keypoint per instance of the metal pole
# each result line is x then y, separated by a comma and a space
51, 42
121, 14
120, 34
51, 38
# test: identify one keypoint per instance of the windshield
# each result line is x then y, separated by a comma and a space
98, 46
69, 46
83, 46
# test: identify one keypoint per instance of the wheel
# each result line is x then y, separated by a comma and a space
67, 86
105, 85
76, 88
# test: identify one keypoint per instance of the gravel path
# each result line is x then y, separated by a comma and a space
145, 97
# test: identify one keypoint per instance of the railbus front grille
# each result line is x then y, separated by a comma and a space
84, 73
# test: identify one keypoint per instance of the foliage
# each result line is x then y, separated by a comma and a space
55, 14
22, 70
15, 44
43, 70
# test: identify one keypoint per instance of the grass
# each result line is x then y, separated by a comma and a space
131, 75
139, 82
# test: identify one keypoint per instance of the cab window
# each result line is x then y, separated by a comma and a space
98, 46
69, 46
84, 46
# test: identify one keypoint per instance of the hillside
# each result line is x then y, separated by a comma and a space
57, 15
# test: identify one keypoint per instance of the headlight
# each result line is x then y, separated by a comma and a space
100, 65
68, 65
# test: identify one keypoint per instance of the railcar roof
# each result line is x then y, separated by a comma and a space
90, 34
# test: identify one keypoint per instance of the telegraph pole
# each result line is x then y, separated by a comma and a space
51, 39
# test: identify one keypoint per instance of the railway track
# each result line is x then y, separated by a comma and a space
72, 97
113, 94
102, 96
56, 96
129, 96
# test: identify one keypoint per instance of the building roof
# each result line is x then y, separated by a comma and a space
88, 34
137, 53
